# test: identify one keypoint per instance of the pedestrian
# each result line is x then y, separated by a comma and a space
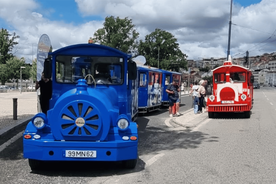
45, 86
201, 96
196, 103
172, 91
193, 92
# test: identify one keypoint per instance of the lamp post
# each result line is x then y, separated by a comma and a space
21, 78
159, 51
158, 57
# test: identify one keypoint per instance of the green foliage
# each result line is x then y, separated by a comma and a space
206, 69
33, 70
209, 79
161, 49
3, 74
7, 42
117, 33
14, 65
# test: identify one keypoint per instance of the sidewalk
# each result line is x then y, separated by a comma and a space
26, 109
189, 119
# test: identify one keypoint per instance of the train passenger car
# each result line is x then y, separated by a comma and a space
150, 89
167, 78
232, 90
91, 110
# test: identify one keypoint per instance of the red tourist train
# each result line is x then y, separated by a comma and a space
232, 90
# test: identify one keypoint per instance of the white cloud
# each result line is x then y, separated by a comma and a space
201, 26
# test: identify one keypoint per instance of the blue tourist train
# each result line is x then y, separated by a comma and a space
93, 105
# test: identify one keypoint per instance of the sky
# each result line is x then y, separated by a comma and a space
200, 26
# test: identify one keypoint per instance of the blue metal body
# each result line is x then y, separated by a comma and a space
150, 89
98, 107
167, 78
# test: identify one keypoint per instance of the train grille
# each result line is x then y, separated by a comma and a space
228, 108
80, 119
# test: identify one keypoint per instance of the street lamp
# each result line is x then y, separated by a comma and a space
159, 50
21, 78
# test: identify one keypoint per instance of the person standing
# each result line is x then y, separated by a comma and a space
45, 86
201, 96
196, 103
172, 91
194, 92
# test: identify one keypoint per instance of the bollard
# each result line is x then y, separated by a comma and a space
15, 108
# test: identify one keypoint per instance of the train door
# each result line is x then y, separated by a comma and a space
143, 89
154, 89
167, 78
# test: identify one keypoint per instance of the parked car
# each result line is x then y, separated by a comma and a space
31, 87
256, 85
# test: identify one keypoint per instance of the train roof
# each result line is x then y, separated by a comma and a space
166, 71
148, 68
229, 64
90, 49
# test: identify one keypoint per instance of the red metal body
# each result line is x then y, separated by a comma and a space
232, 90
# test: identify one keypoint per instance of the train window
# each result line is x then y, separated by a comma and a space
237, 76
219, 77
72, 68
167, 80
143, 80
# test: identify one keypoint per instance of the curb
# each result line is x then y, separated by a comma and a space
20, 124
191, 123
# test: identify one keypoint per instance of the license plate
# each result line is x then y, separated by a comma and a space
80, 153
229, 102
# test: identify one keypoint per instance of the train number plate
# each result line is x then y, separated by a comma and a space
228, 102
80, 153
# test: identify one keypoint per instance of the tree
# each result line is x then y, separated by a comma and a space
7, 42
206, 69
33, 70
117, 33
14, 65
161, 49
3, 74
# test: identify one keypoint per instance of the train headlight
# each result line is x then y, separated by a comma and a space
123, 123
243, 97
39, 120
212, 98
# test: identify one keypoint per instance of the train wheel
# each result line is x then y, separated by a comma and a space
247, 114
130, 164
35, 164
211, 114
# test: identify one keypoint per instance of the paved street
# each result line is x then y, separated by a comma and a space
186, 149
26, 106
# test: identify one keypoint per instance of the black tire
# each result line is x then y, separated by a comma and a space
35, 164
211, 114
247, 114
130, 164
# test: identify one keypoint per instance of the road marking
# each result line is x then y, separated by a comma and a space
271, 103
201, 124
10, 141
167, 122
154, 159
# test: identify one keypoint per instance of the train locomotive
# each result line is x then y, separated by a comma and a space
93, 105
232, 90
